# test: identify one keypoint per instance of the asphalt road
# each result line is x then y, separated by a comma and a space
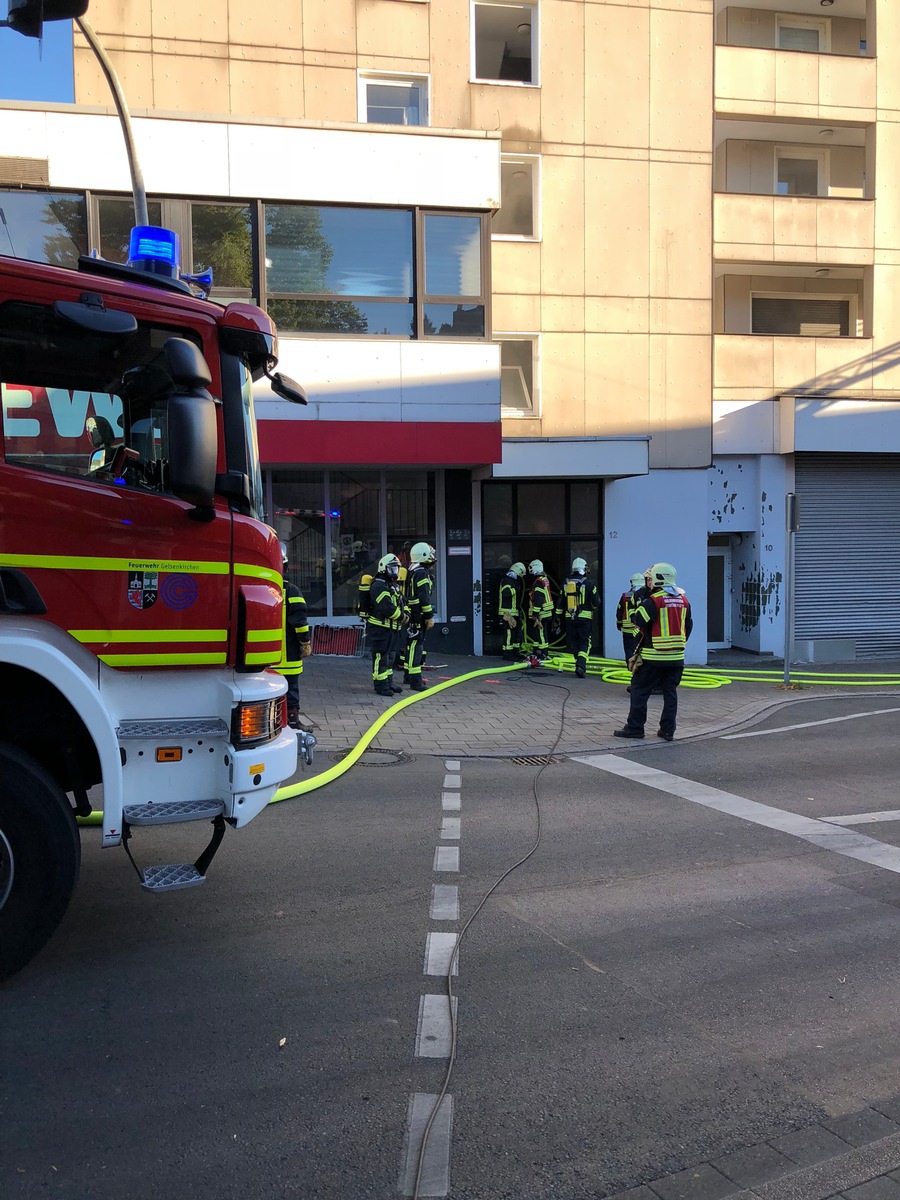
672, 977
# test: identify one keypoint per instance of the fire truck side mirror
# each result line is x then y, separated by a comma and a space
28, 16
193, 430
193, 448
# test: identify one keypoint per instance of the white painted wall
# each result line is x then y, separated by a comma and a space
747, 501
660, 517
384, 380
217, 158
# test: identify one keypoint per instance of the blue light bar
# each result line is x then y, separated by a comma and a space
153, 249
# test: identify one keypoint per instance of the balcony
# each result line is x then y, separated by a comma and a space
757, 367
771, 25
794, 229
791, 328
787, 84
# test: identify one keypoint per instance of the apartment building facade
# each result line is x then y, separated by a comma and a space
563, 277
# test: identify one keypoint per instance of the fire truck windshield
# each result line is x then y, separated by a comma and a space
82, 403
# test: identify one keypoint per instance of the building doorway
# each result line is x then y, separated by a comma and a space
718, 592
555, 521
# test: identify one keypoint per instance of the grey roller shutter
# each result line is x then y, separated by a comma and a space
848, 551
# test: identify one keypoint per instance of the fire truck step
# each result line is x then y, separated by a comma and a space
171, 813
179, 727
170, 876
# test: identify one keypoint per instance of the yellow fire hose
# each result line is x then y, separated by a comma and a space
610, 670
325, 777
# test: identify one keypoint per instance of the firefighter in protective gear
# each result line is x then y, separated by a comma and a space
539, 608
664, 623
386, 618
628, 602
510, 610
419, 589
295, 640
579, 601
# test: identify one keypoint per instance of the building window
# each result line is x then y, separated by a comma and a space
454, 294
215, 236
504, 38
810, 34
517, 376
801, 171
340, 270
337, 525
393, 100
221, 238
48, 227
517, 216
804, 315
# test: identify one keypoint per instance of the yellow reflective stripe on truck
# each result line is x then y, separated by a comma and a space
260, 658
149, 635
77, 562
244, 569
263, 635
73, 562
164, 660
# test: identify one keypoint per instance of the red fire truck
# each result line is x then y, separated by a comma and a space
140, 590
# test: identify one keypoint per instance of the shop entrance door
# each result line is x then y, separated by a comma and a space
554, 521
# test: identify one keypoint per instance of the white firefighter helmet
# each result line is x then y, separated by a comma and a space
536, 567
517, 569
637, 580
422, 553
579, 566
389, 565
662, 575
284, 554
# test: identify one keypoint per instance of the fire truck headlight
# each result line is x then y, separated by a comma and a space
256, 722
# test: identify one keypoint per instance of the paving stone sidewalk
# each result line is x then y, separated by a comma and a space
519, 713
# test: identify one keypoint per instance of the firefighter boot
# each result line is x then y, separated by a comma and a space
418, 684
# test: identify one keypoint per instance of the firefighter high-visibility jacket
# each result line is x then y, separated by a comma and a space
579, 598
540, 602
664, 622
386, 603
628, 602
419, 588
295, 624
508, 605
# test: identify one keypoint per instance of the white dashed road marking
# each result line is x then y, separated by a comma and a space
439, 948
436, 1167
434, 1034
446, 858
878, 712
445, 902
434, 1031
825, 835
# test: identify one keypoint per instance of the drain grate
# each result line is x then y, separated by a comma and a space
376, 758
533, 760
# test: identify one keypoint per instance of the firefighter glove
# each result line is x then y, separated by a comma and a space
305, 649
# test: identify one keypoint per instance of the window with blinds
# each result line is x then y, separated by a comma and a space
801, 317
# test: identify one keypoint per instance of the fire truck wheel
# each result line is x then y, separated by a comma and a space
40, 853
